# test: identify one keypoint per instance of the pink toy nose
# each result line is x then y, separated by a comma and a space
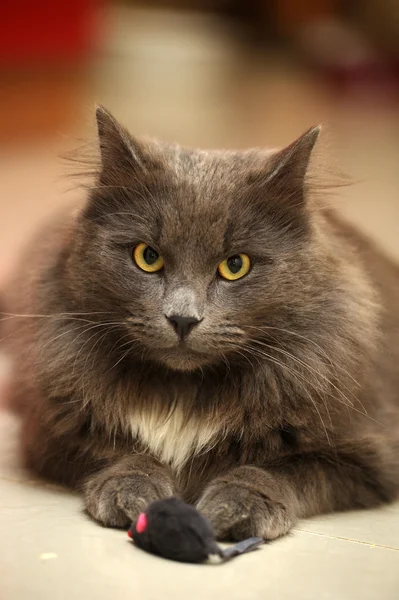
141, 523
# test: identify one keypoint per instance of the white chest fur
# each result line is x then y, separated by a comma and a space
174, 439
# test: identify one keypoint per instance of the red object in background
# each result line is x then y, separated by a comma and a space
48, 32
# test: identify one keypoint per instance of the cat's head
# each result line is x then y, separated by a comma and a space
197, 253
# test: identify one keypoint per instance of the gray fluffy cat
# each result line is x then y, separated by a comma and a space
200, 327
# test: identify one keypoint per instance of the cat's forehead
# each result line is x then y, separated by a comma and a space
195, 210
200, 196
199, 190
200, 183
219, 167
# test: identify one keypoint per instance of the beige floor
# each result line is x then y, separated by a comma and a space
184, 79
50, 550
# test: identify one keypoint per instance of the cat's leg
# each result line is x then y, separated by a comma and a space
117, 494
116, 487
250, 501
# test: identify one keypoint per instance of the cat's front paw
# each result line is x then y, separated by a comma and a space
117, 501
237, 513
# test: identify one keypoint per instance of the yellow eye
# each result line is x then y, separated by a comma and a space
147, 258
235, 267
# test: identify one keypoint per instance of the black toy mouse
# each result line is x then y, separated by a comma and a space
175, 530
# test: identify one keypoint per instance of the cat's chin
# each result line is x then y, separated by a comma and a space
187, 361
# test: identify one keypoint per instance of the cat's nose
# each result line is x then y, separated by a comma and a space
182, 325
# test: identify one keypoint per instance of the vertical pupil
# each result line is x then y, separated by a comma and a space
235, 264
150, 256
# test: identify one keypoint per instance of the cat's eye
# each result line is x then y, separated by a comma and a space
147, 259
235, 267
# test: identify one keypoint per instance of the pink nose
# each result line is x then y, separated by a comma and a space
141, 523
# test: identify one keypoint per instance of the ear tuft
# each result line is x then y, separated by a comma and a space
121, 154
103, 119
280, 185
115, 141
293, 162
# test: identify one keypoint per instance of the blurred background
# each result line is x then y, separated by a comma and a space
211, 73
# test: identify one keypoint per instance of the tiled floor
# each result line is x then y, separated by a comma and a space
190, 84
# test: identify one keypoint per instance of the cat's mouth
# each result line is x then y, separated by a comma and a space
184, 358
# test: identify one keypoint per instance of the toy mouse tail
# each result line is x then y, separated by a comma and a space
241, 548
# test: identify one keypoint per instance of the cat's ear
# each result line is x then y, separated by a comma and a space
289, 166
281, 187
120, 153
